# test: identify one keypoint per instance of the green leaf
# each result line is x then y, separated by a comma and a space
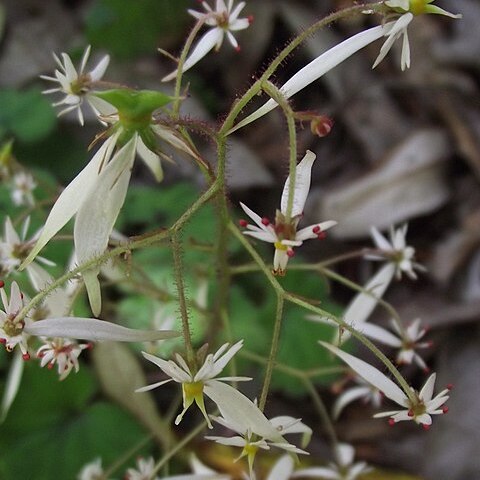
127, 29
51, 431
26, 115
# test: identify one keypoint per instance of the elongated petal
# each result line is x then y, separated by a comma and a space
440, 11
380, 241
317, 472
204, 45
11, 236
39, 277
242, 411
98, 213
318, 67
308, 233
380, 335
97, 73
302, 185
282, 469
371, 375
151, 160
12, 384
363, 304
170, 368
94, 330
347, 397
71, 199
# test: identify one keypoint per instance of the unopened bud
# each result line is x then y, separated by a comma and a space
321, 125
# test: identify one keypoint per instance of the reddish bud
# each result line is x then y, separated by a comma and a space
445, 409
243, 223
425, 426
450, 386
290, 253
26, 356
3, 341
316, 229
237, 48
321, 125
2, 283
427, 369
322, 236
265, 221
391, 422
89, 345
410, 413
250, 19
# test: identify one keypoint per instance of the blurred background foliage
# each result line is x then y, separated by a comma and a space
54, 428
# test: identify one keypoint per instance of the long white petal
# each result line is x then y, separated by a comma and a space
94, 330
363, 304
204, 45
317, 472
426, 393
236, 407
12, 384
348, 396
371, 375
151, 160
98, 213
282, 469
303, 175
380, 334
97, 73
318, 67
71, 199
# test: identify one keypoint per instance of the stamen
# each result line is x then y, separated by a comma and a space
250, 19
445, 409
425, 426
26, 356
450, 386
316, 230
265, 221
322, 236
243, 223
237, 48
391, 422
290, 253
2, 283
410, 413
3, 341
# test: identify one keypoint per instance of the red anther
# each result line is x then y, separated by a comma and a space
243, 223
26, 356
50, 365
290, 253
40, 355
445, 409
265, 221
410, 413
322, 236
427, 369
391, 422
321, 125
450, 386
250, 19
237, 48
316, 230
2, 283
425, 426
89, 345
3, 341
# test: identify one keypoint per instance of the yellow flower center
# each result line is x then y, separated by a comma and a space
280, 246
417, 7
193, 390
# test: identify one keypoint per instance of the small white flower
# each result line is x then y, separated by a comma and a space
63, 352
343, 469
92, 471
408, 9
11, 329
364, 391
15, 249
396, 251
407, 340
420, 409
283, 233
76, 85
223, 21
144, 470
23, 186
194, 382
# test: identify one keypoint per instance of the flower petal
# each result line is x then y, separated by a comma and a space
94, 330
371, 375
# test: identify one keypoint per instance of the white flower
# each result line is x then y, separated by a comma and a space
92, 471
419, 409
364, 391
23, 186
144, 470
343, 469
396, 251
223, 21
11, 329
76, 85
407, 341
408, 9
194, 382
63, 352
14, 250
283, 233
